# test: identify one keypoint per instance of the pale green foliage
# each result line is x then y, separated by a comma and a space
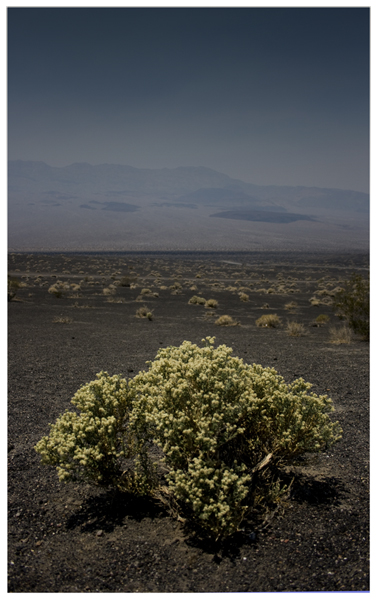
215, 418
91, 445
220, 423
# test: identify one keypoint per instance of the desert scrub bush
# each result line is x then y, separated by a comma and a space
13, 287
295, 329
220, 422
268, 321
340, 335
226, 321
144, 313
62, 320
291, 306
243, 297
352, 304
211, 303
92, 444
197, 300
322, 320
110, 290
58, 289
145, 292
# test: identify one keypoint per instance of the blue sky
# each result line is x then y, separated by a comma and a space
273, 96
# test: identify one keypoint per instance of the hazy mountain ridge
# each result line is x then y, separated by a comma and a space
186, 184
106, 207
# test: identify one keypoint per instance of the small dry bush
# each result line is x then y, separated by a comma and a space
295, 329
144, 313
13, 286
322, 319
226, 321
109, 291
58, 289
244, 297
291, 306
340, 335
268, 321
211, 303
197, 300
62, 320
145, 292
314, 301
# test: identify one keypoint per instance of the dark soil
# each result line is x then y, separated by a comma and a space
79, 538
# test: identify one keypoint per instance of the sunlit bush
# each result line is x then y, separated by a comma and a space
220, 424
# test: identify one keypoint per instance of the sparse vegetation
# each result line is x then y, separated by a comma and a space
352, 304
322, 319
62, 320
58, 289
244, 297
144, 313
226, 321
271, 321
197, 300
13, 286
340, 335
211, 303
295, 329
291, 306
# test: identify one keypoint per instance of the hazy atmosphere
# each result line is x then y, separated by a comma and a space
265, 96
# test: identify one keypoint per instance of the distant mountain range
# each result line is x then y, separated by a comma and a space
54, 206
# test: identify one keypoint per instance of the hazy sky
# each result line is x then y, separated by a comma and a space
269, 95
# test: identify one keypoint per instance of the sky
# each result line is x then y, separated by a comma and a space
272, 96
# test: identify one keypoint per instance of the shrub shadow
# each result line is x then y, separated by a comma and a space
316, 491
109, 510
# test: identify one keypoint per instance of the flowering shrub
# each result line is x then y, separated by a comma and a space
218, 421
93, 444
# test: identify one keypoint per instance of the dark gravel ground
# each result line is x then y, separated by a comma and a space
72, 538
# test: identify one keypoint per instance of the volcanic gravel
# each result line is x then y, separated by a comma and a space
66, 537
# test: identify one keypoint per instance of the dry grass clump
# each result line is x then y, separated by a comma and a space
197, 300
322, 319
340, 335
144, 313
211, 303
265, 305
271, 321
146, 292
244, 297
314, 301
226, 321
62, 320
114, 300
291, 306
109, 291
58, 289
295, 329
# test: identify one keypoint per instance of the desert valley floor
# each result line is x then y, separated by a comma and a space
78, 538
